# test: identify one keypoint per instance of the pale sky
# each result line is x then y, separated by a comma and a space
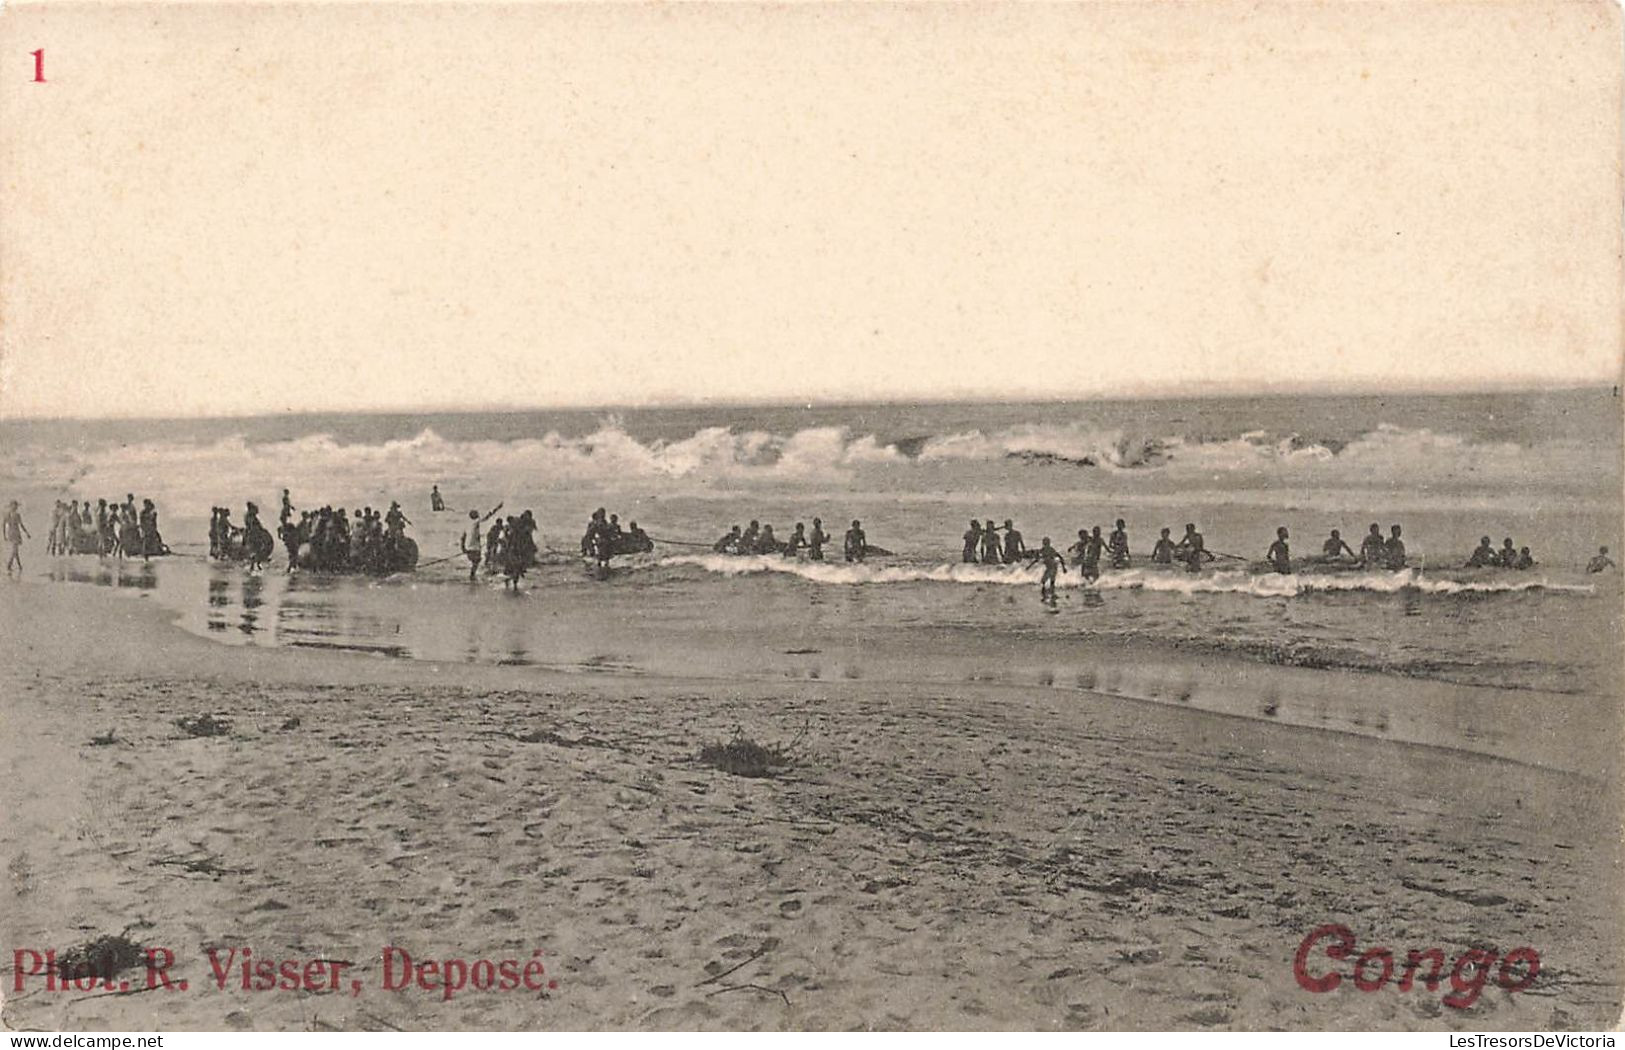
226, 211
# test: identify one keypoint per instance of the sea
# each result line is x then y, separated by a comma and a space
1521, 665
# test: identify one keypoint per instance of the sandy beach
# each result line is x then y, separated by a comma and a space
984, 857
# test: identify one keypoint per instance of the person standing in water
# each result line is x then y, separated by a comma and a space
857, 544
1483, 555
1117, 545
1193, 548
1601, 563
973, 543
1054, 565
1163, 552
436, 503
991, 554
797, 541
1280, 555
1372, 547
1334, 547
1393, 551
14, 530
1013, 546
471, 542
729, 544
815, 542
1508, 558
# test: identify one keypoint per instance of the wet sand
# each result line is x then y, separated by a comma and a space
939, 855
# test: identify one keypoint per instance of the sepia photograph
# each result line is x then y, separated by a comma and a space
812, 516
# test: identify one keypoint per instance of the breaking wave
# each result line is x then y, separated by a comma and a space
611, 455
1271, 585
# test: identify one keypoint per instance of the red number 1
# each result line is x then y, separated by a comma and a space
39, 65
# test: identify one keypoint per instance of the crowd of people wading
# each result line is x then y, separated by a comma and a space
325, 540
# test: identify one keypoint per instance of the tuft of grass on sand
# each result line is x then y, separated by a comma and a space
744, 757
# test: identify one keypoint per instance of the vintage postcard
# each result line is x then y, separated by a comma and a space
905, 516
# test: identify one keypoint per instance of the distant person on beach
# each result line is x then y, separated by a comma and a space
286, 514
815, 542
991, 554
56, 525
973, 543
1013, 546
1601, 563
1483, 555
1163, 552
1280, 555
15, 530
1525, 559
857, 544
435, 502
64, 539
1334, 547
472, 543
1393, 551
729, 544
152, 542
1508, 554
1054, 565
1117, 545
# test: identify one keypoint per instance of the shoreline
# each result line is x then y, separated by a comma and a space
1513, 723
939, 855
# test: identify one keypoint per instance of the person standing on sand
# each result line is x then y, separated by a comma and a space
15, 530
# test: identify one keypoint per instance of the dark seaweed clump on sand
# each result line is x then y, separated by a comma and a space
204, 725
101, 958
744, 757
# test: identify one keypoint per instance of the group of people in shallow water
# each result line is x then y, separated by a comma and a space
1485, 556
757, 538
509, 546
327, 539
108, 528
1095, 548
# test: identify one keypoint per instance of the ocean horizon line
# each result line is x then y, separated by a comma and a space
1226, 392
